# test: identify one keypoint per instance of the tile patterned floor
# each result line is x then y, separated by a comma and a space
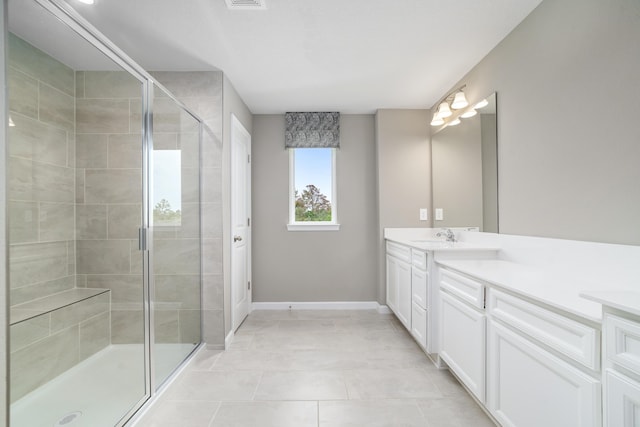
316, 369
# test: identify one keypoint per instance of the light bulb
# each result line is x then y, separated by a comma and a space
481, 104
459, 101
11, 123
87, 1
454, 122
444, 110
468, 114
437, 120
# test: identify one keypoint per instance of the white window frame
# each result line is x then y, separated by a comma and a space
294, 225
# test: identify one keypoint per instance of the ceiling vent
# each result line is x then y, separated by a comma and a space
245, 4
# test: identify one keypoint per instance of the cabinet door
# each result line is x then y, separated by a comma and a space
419, 324
529, 387
419, 287
392, 283
404, 293
622, 401
462, 342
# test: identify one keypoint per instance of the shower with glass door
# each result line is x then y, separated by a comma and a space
104, 224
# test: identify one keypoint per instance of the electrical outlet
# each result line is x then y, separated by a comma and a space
439, 214
424, 214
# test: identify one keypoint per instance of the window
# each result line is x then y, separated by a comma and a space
312, 189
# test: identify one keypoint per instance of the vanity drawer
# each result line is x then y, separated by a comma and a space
419, 259
575, 340
463, 287
399, 251
623, 342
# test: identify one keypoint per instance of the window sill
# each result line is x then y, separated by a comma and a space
318, 226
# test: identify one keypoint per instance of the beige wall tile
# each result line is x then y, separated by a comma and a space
213, 291
166, 326
165, 141
38, 290
91, 222
23, 93
211, 220
74, 314
91, 150
190, 185
190, 221
135, 117
102, 116
56, 108
40, 182
181, 290
111, 84
181, 256
189, 326
80, 84
102, 257
125, 289
23, 227
185, 84
212, 256
29, 331
135, 256
124, 221
33, 140
38, 262
95, 334
211, 185
38, 363
57, 221
125, 151
79, 187
127, 327
213, 332
113, 186
189, 144
37, 64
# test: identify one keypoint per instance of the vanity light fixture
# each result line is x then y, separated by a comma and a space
481, 104
469, 113
454, 122
459, 101
443, 110
87, 1
437, 120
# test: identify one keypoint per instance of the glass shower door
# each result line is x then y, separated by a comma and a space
78, 353
176, 247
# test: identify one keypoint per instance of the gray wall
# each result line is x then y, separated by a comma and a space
569, 102
315, 266
232, 104
489, 173
403, 163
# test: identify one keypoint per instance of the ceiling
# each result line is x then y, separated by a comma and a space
352, 56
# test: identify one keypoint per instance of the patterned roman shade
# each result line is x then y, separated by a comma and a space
312, 130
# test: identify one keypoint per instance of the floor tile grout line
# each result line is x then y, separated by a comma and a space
215, 414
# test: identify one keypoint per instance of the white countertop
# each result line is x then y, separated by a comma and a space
553, 289
625, 300
425, 241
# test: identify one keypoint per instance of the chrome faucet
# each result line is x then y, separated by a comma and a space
447, 233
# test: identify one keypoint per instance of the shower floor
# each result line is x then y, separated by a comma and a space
102, 388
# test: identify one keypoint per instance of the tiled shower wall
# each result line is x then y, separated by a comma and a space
109, 195
201, 91
41, 173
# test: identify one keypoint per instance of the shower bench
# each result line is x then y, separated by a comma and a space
50, 335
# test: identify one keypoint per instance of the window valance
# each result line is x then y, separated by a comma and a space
312, 130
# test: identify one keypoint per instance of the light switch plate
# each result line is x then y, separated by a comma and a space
424, 214
439, 214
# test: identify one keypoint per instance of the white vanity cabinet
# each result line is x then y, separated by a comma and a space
542, 366
399, 282
419, 296
462, 329
622, 375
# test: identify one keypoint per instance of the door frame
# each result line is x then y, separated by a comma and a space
236, 128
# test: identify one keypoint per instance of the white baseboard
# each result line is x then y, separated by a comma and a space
322, 305
228, 339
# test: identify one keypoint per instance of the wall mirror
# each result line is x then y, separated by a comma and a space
465, 171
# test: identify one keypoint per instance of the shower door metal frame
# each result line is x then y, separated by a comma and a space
67, 15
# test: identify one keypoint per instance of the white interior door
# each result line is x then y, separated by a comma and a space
240, 222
